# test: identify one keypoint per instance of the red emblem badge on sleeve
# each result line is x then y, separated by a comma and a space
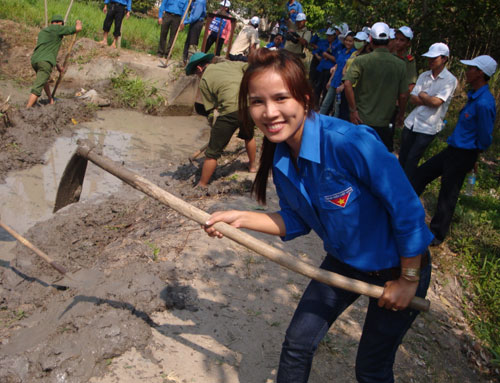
340, 199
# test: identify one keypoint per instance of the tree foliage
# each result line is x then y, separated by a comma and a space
467, 27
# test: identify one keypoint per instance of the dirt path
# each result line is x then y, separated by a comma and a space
155, 300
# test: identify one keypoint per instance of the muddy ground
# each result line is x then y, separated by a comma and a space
151, 298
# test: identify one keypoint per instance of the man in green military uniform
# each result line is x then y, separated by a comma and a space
219, 89
380, 80
44, 57
402, 45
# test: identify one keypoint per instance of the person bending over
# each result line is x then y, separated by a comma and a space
339, 180
44, 57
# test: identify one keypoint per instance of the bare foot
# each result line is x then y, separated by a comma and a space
52, 102
113, 45
252, 168
103, 42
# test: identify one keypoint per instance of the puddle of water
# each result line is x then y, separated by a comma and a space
28, 196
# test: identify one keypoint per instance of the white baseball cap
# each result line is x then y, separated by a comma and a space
225, 3
406, 31
330, 31
361, 36
255, 21
485, 63
438, 49
344, 28
300, 17
380, 31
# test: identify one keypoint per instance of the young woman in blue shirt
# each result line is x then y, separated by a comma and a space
339, 180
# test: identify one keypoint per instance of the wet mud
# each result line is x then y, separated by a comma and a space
32, 131
65, 329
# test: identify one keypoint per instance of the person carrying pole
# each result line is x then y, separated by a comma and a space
169, 17
44, 57
195, 22
118, 9
339, 180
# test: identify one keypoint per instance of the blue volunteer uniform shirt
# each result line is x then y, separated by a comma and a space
273, 45
198, 12
341, 58
177, 7
127, 3
297, 7
322, 45
353, 193
333, 49
474, 129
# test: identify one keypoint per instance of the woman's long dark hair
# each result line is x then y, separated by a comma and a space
293, 73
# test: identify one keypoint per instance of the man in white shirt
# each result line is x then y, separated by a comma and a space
432, 95
246, 41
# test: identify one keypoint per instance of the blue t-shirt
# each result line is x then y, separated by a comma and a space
127, 3
353, 193
295, 6
341, 58
177, 7
474, 129
333, 48
273, 45
198, 12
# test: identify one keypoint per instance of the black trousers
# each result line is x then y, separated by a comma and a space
344, 108
452, 164
193, 37
212, 38
116, 12
170, 23
320, 84
313, 73
387, 135
413, 145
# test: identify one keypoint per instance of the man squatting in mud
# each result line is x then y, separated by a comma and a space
219, 88
44, 57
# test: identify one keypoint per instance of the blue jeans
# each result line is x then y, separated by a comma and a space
328, 101
320, 306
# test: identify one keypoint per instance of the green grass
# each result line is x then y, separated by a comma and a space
475, 233
134, 92
139, 32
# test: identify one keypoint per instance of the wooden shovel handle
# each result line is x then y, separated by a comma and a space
196, 154
32, 247
282, 258
70, 48
177, 33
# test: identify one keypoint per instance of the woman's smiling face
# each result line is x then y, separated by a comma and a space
275, 111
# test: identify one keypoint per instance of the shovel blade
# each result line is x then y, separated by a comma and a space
70, 186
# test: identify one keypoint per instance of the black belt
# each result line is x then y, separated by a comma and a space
114, 2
